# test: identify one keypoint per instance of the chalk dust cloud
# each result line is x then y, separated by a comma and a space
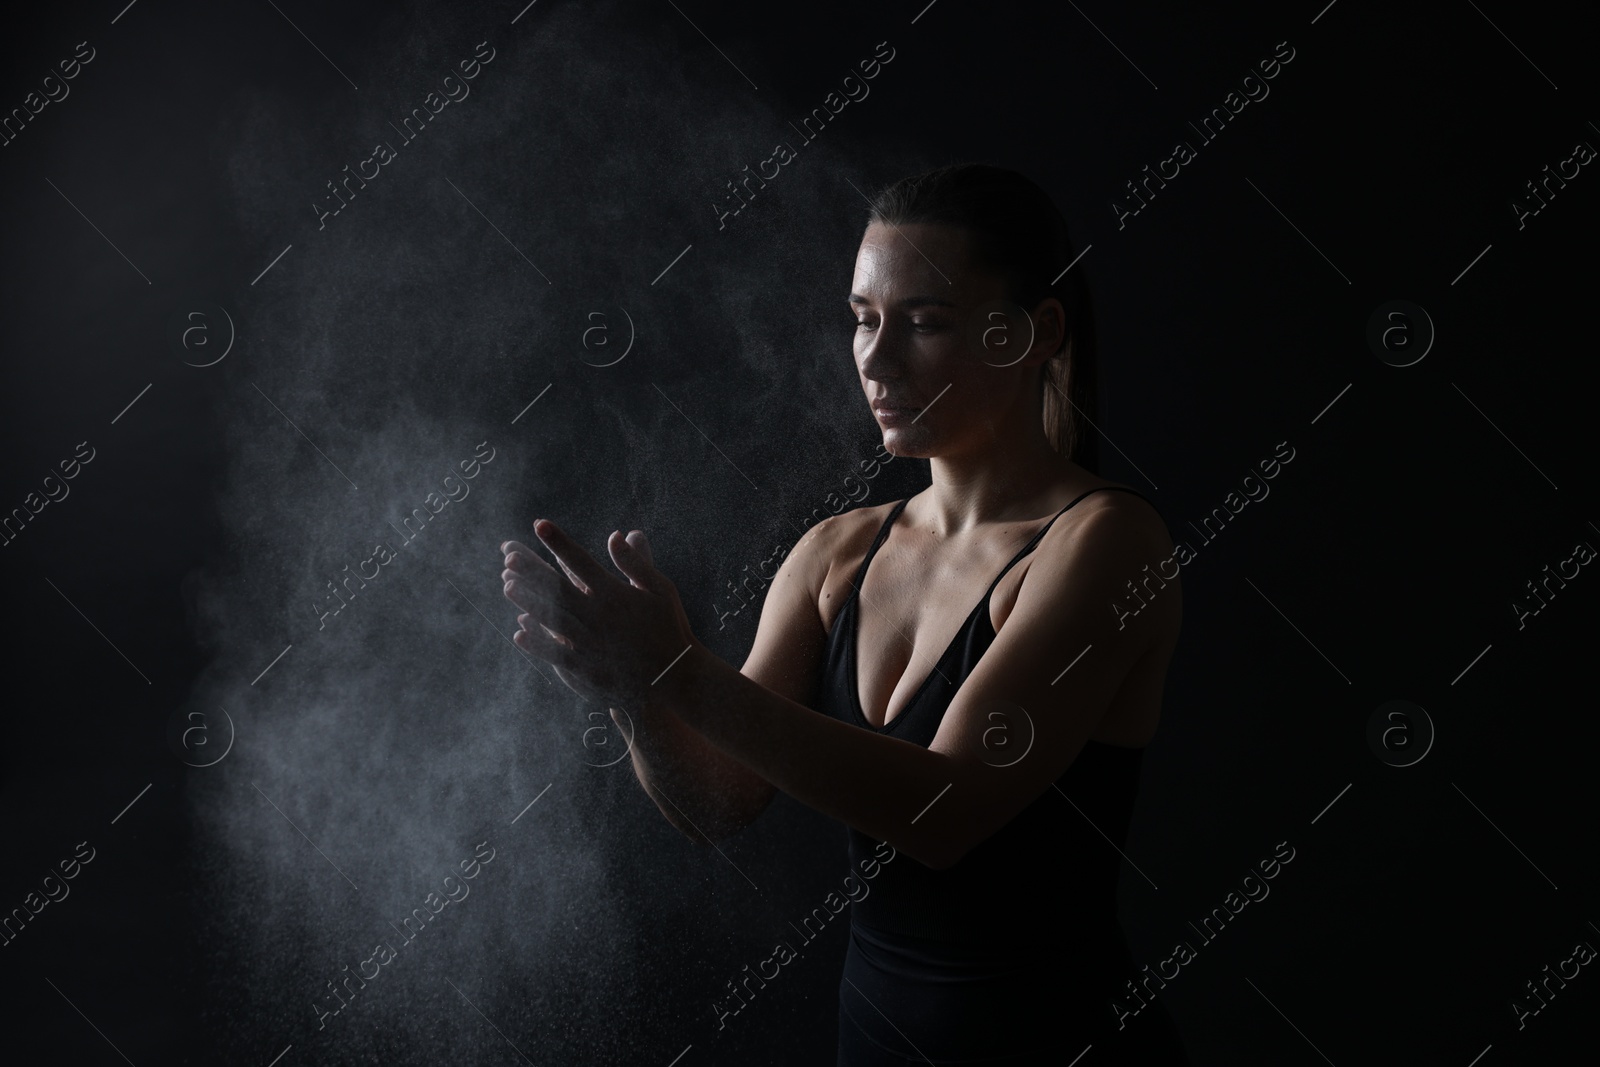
393, 346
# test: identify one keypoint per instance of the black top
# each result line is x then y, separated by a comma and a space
1044, 882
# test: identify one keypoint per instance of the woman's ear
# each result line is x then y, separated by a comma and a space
1050, 325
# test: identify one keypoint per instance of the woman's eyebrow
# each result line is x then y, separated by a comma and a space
910, 301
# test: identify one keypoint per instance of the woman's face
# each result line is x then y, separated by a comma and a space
946, 362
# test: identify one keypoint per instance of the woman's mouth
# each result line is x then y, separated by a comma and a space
894, 416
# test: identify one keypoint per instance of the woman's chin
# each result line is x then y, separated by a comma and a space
908, 442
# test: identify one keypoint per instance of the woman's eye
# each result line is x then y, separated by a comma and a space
919, 327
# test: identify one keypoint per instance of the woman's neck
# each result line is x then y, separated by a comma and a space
969, 493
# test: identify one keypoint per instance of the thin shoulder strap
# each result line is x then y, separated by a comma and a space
883, 532
1036, 538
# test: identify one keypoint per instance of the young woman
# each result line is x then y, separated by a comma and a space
987, 656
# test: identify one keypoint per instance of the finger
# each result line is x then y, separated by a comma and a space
579, 565
539, 629
634, 561
520, 559
547, 614
546, 596
533, 585
536, 641
636, 538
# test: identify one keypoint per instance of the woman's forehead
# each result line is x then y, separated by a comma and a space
924, 258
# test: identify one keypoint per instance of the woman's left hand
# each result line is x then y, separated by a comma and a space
609, 638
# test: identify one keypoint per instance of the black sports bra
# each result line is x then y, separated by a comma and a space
1049, 869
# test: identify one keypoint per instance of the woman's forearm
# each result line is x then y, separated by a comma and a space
705, 793
880, 785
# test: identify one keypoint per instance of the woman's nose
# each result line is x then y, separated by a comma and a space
879, 356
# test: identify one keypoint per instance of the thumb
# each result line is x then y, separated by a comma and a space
631, 554
636, 539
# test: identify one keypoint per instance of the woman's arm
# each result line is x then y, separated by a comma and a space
704, 792
707, 793
934, 804
1046, 680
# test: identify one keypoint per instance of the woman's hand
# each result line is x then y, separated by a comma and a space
608, 638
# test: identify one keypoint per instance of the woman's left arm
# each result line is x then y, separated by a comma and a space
1041, 688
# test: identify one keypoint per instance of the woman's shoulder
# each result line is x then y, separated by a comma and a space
1130, 512
1103, 492
837, 544
851, 531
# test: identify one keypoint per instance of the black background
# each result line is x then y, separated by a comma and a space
1385, 560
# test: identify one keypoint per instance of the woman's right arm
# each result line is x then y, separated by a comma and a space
700, 789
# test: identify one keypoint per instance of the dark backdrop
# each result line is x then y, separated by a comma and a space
473, 297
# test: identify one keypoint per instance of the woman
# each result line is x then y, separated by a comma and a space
993, 938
